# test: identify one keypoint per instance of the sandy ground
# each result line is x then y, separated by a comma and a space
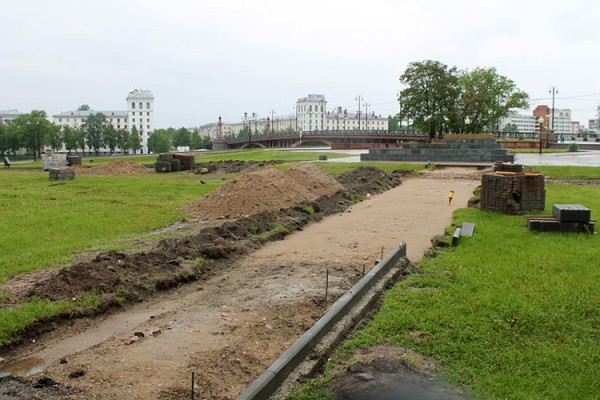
228, 329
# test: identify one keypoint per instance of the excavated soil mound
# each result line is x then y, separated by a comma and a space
265, 190
115, 168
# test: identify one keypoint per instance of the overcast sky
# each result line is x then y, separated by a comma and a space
208, 58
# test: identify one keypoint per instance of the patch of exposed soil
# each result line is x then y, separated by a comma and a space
442, 172
232, 166
115, 168
265, 190
387, 372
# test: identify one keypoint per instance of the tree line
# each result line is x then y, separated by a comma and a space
33, 133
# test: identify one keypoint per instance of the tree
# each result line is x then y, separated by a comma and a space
438, 98
94, 127
110, 138
393, 124
70, 138
486, 97
159, 141
196, 141
84, 107
123, 140
134, 140
54, 138
33, 130
3, 139
429, 99
181, 137
510, 127
81, 138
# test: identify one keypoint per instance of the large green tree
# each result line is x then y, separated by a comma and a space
70, 138
486, 97
438, 98
94, 127
430, 95
33, 130
159, 141
182, 137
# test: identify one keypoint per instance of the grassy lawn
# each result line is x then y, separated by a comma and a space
46, 222
511, 314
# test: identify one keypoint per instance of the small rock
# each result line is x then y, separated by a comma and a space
139, 334
5, 376
44, 382
269, 327
62, 360
156, 332
1, 359
131, 340
365, 377
77, 374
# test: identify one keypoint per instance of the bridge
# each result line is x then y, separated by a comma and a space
335, 139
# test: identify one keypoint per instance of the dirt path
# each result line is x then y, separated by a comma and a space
230, 328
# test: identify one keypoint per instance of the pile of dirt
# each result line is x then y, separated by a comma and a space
115, 168
265, 190
386, 372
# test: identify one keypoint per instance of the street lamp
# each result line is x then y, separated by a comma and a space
541, 122
467, 123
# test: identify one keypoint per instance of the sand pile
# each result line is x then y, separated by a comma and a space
268, 189
115, 168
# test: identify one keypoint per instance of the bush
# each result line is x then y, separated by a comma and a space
574, 147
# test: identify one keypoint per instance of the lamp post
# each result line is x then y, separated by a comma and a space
467, 123
541, 122
345, 129
245, 122
359, 98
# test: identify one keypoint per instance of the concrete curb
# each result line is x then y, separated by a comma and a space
266, 384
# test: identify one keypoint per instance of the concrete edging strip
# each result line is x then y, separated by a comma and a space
268, 382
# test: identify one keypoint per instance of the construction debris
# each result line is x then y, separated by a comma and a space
512, 191
565, 218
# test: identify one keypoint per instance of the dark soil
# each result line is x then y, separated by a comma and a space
387, 372
118, 278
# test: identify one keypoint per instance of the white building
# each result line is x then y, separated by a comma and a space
525, 123
312, 115
562, 122
8, 116
139, 114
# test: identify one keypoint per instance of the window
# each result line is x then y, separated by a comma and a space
148, 113
133, 105
148, 105
141, 106
133, 120
148, 126
147, 119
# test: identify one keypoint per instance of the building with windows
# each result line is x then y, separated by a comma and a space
8, 116
139, 115
312, 115
524, 123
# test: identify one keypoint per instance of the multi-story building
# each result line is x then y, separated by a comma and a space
8, 116
524, 123
139, 115
312, 115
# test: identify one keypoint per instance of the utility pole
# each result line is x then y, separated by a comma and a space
553, 91
272, 121
359, 98
367, 116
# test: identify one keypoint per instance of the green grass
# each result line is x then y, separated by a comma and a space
336, 169
568, 172
44, 222
13, 320
510, 314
